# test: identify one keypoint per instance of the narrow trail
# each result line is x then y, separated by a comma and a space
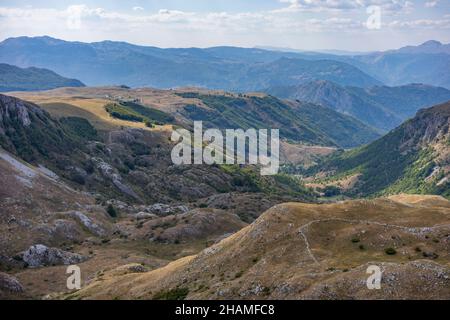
412, 230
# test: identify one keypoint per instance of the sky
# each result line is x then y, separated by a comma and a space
350, 25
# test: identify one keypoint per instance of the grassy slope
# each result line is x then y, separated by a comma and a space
305, 123
389, 166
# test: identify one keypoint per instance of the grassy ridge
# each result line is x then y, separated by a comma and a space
306, 123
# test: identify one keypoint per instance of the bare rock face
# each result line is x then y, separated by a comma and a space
9, 284
88, 223
40, 255
161, 209
15, 108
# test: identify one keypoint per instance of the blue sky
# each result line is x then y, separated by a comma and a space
300, 24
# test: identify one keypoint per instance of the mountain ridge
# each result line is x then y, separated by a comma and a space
413, 158
382, 107
13, 78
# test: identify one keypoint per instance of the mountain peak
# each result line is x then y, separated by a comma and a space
431, 43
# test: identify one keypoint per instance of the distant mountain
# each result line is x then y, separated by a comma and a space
414, 158
297, 121
428, 63
13, 78
380, 106
228, 68
297, 71
431, 46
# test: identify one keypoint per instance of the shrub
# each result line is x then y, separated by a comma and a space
331, 191
111, 211
174, 294
390, 251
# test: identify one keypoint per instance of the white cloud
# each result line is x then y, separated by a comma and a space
431, 4
138, 9
388, 6
181, 28
422, 24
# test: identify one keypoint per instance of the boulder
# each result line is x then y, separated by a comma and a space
9, 284
40, 255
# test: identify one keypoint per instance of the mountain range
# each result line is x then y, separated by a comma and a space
228, 68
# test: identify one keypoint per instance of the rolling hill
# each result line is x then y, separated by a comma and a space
13, 78
305, 251
380, 106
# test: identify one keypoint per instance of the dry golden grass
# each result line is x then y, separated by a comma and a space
298, 250
87, 103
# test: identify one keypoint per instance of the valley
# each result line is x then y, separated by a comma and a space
102, 190
88, 177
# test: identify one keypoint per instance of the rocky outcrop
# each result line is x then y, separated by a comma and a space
309, 251
88, 223
9, 284
40, 256
165, 210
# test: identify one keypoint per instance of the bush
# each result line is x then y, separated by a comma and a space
174, 294
77, 178
390, 251
331, 191
111, 211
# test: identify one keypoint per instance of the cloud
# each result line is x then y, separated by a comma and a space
388, 6
138, 9
177, 28
431, 4
422, 24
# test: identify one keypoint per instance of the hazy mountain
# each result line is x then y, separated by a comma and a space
32, 79
229, 68
297, 71
379, 106
431, 46
413, 158
428, 63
